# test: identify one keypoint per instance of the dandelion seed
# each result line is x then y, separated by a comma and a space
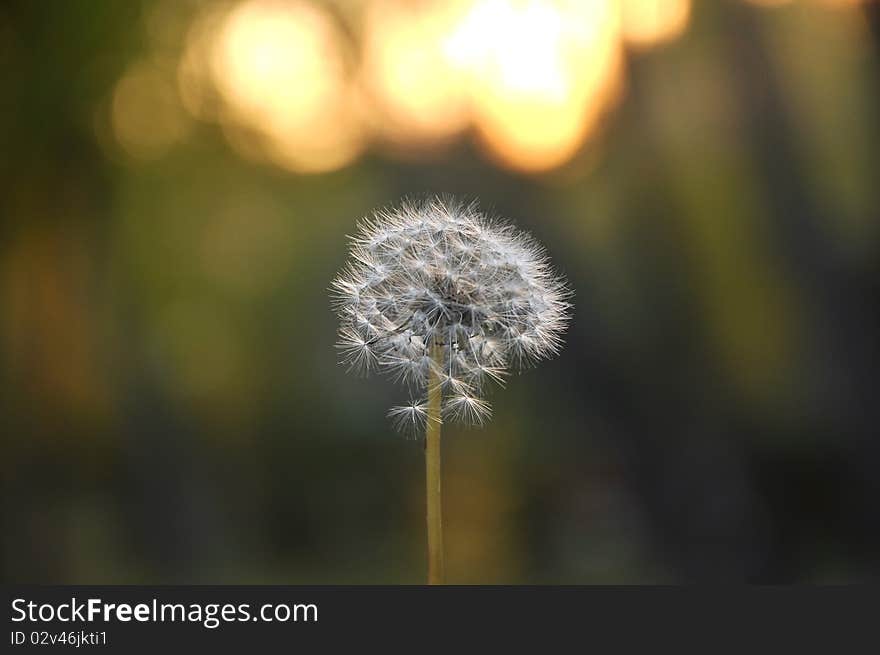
412, 418
467, 408
357, 350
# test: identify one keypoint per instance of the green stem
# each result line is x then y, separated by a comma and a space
432, 473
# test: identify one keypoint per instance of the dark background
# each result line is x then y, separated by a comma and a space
171, 406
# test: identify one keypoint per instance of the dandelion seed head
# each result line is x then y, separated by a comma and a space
440, 274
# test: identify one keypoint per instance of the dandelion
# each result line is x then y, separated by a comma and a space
446, 301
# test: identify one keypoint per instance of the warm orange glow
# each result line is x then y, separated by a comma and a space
542, 73
532, 77
194, 84
651, 22
146, 115
280, 70
417, 93
49, 325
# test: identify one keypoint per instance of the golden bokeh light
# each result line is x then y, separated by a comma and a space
146, 115
543, 73
194, 84
647, 23
417, 94
280, 70
275, 62
532, 78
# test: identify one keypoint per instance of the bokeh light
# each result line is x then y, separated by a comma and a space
535, 104
146, 115
194, 83
417, 94
650, 22
287, 84
280, 68
532, 78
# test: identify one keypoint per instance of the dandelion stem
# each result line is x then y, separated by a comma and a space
432, 471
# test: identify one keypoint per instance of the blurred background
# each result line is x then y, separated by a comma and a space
176, 180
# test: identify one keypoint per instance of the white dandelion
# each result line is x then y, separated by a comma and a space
435, 291
446, 301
